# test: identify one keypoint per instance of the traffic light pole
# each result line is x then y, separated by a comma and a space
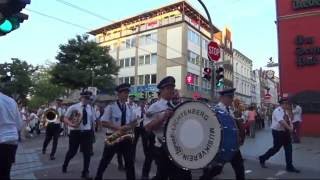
212, 35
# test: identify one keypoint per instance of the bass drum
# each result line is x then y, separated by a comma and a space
196, 136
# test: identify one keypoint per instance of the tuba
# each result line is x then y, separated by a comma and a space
49, 116
76, 117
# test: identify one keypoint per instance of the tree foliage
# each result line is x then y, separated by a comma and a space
18, 87
83, 63
43, 90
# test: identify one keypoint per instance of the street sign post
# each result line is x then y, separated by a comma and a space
213, 51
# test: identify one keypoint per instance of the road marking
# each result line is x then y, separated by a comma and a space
280, 173
248, 171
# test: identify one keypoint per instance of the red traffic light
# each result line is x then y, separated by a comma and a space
189, 79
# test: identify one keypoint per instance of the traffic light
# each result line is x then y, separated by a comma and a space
10, 15
219, 77
189, 79
207, 73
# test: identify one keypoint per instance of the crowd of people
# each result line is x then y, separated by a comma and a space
81, 120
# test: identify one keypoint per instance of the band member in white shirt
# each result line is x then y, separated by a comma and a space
53, 132
224, 105
297, 119
80, 134
118, 116
10, 124
281, 132
157, 116
146, 137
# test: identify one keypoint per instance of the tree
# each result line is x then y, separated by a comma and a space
18, 87
83, 63
43, 90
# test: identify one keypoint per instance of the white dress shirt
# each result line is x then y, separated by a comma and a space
277, 116
112, 113
297, 114
158, 106
90, 116
10, 120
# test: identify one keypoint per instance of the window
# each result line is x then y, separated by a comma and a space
127, 79
133, 61
154, 58
194, 58
127, 62
148, 39
132, 80
141, 78
204, 44
193, 37
121, 63
147, 79
153, 79
141, 60
147, 59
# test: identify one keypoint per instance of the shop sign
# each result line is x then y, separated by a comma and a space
307, 53
303, 4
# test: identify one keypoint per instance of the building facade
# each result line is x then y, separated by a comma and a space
242, 67
170, 40
256, 87
299, 58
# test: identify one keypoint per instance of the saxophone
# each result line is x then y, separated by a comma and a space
121, 135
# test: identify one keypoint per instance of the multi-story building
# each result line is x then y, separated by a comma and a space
170, 40
242, 67
256, 88
227, 58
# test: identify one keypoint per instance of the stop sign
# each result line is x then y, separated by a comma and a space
213, 51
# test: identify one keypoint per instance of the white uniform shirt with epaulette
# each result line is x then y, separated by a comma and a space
112, 113
277, 116
10, 120
90, 116
160, 105
223, 107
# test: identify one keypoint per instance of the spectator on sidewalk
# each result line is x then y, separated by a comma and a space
297, 119
10, 124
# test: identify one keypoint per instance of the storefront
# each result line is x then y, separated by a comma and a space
298, 23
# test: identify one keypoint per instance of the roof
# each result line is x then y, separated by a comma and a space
182, 6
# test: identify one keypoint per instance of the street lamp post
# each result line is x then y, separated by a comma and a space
212, 35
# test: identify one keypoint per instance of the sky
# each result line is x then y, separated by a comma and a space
37, 41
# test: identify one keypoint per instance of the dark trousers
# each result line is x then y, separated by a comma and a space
296, 132
84, 140
126, 149
236, 163
167, 169
148, 140
52, 132
7, 157
280, 139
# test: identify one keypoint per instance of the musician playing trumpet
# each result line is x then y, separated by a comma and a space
80, 118
119, 118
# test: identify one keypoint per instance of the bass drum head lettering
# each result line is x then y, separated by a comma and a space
193, 135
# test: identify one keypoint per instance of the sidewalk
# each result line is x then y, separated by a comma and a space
305, 155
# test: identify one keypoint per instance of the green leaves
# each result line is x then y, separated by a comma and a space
20, 84
83, 63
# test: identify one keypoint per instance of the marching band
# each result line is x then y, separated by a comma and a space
125, 122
